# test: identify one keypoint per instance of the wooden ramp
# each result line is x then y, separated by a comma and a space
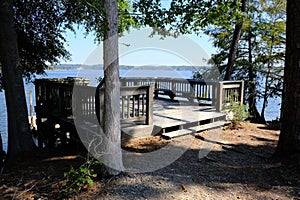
176, 118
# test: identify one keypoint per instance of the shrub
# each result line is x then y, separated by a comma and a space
237, 111
79, 179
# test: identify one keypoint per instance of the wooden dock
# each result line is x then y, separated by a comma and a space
149, 106
176, 118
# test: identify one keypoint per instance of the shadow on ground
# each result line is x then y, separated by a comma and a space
240, 166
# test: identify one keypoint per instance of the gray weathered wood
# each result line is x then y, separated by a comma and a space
149, 105
195, 129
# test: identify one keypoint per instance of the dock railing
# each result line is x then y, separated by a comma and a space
55, 95
228, 91
215, 93
136, 104
67, 101
60, 101
59, 98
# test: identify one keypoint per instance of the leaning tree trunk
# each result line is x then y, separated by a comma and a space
289, 139
113, 157
19, 138
234, 44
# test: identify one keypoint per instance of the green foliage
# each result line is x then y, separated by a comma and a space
91, 15
261, 51
79, 179
237, 111
41, 27
187, 16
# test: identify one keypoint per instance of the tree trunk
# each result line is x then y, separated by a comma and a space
265, 96
234, 44
267, 85
19, 138
255, 116
289, 139
113, 157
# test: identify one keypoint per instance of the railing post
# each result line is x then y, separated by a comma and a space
173, 86
219, 99
156, 86
242, 92
149, 106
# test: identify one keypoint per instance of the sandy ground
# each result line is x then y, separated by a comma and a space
223, 164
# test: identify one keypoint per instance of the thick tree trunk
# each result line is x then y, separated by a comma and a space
19, 138
289, 140
113, 157
234, 44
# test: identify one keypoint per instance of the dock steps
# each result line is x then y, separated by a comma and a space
195, 129
139, 131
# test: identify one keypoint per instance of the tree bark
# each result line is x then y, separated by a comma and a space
113, 155
255, 116
267, 84
19, 137
235, 44
289, 139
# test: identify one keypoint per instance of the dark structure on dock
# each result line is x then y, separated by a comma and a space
148, 106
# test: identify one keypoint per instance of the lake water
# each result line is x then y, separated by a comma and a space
272, 112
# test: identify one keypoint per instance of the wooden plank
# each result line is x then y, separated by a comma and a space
173, 117
178, 133
139, 131
227, 86
193, 130
209, 126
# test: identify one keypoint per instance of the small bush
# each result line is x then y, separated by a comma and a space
237, 111
79, 179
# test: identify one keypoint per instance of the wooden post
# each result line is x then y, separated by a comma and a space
39, 99
219, 100
242, 92
156, 86
149, 106
31, 110
173, 86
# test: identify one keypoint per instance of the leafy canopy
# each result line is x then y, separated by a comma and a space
41, 28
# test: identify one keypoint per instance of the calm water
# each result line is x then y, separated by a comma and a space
272, 111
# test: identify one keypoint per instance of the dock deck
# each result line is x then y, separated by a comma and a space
148, 106
176, 118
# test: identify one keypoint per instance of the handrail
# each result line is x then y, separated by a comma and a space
136, 103
58, 102
56, 94
214, 92
60, 98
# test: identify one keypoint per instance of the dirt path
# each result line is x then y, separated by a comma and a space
238, 167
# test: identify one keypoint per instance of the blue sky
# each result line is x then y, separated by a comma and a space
85, 51
143, 50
